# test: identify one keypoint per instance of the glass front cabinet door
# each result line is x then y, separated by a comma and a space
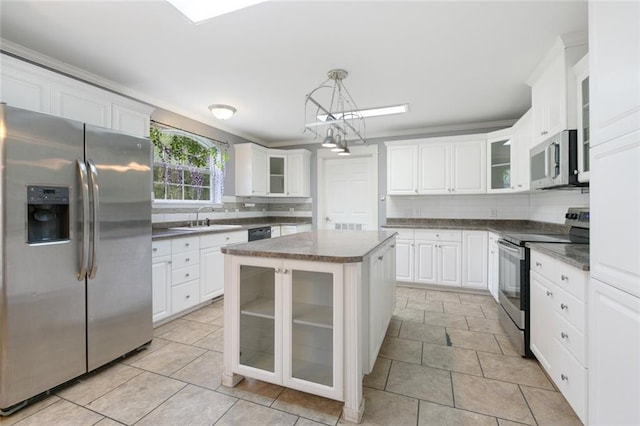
500, 165
581, 70
290, 323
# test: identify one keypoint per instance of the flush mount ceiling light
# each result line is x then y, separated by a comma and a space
342, 118
222, 112
199, 10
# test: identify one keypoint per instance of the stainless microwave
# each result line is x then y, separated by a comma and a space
554, 162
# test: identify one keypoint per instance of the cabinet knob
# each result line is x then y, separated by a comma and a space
563, 307
380, 257
277, 270
564, 378
564, 277
564, 335
187, 259
453, 190
393, 246
416, 191
186, 275
187, 296
538, 264
227, 238
186, 244
155, 249
285, 271
549, 293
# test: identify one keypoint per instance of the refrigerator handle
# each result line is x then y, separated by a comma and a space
84, 256
95, 195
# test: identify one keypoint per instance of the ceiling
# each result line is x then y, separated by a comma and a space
453, 62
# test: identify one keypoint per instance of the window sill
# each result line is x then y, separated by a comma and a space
183, 204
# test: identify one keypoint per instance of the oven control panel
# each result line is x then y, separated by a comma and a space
577, 216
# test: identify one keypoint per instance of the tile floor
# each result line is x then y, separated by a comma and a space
445, 361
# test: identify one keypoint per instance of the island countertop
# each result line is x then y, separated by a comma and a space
318, 246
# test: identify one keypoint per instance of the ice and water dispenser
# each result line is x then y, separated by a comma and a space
47, 214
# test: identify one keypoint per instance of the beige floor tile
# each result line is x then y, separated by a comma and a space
312, 407
491, 311
491, 397
463, 309
503, 422
28, 411
169, 359
479, 299
473, 340
107, 422
218, 321
450, 358
394, 328
446, 320
513, 369
378, 377
249, 414
253, 390
445, 296
426, 305
384, 408
435, 414
157, 332
401, 350
156, 344
218, 303
424, 332
306, 422
213, 341
485, 325
136, 398
401, 302
93, 386
506, 345
189, 332
191, 405
417, 381
206, 314
414, 315
62, 412
549, 407
410, 293
205, 371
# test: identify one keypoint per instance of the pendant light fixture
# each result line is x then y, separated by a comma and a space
331, 106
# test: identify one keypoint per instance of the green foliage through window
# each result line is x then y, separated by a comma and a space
186, 167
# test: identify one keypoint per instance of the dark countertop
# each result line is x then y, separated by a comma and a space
318, 246
166, 233
493, 225
576, 255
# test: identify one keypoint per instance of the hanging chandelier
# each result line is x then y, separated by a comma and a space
332, 115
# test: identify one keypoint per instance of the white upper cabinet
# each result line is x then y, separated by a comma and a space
500, 161
28, 86
553, 87
520, 146
262, 172
402, 169
449, 165
581, 71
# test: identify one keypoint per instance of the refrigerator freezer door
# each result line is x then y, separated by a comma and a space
119, 312
42, 302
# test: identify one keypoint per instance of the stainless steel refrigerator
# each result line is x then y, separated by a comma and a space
75, 232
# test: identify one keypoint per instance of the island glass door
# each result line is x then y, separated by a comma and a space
257, 317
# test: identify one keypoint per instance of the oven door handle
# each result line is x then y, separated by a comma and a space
511, 248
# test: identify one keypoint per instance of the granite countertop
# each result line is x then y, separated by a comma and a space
166, 233
493, 225
318, 246
576, 255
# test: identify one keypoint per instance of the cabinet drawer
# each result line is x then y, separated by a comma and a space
571, 279
438, 235
403, 234
570, 337
185, 258
571, 378
160, 248
185, 296
570, 308
185, 244
181, 275
224, 238
543, 264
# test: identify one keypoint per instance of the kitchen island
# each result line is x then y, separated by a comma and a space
309, 311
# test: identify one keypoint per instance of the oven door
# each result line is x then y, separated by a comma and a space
511, 279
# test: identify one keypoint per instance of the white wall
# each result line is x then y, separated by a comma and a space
543, 206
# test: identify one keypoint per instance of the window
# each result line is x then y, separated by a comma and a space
187, 167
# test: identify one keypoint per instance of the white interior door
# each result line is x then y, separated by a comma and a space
348, 191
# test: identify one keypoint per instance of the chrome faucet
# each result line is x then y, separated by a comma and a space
198, 213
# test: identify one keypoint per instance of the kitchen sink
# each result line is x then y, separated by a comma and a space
206, 228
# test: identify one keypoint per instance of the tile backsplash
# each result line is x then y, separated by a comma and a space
543, 206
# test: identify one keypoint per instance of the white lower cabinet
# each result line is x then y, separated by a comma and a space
474, 259
558, 326
493, 265
185, 273
289, 324
161, 279
212, 261
438, 255
294, 229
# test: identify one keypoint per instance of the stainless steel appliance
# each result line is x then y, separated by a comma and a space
76, 237
513, 273
554, 162
259, 233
